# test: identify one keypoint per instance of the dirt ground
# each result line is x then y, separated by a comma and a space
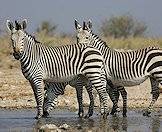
16, 92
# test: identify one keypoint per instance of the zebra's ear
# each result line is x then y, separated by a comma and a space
89, 24
77, 25
84, 26
24, 24
9, 25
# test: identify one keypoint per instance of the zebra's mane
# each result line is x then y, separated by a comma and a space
103, 42
31, 36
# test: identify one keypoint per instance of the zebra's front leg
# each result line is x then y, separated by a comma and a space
124, 96
155, 94
38, 89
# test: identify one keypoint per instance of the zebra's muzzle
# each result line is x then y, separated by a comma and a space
16, 55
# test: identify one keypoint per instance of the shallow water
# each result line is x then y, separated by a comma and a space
23, 120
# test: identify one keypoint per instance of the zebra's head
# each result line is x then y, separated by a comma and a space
84, 34
17, 37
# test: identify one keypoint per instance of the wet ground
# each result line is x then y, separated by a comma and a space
23, 120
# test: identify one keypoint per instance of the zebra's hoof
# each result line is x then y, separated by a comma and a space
45, 114
147, 113
118, 109
81, 114
113, 112
104, 115
38, 117
124, 115
88, 115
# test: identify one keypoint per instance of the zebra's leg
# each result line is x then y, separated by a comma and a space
91, 105
103, 95
77, 83
50, 100
114, 96
45, 113
155, 94
124, 96
79, 90
38, 89
49, 105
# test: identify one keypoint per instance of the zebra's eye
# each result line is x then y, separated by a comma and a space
86, 37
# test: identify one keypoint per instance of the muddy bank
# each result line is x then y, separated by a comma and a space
16, 92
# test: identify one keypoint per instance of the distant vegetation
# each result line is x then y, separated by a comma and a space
47, 28
122, 26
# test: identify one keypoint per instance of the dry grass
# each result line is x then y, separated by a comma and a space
8, 62
132, 43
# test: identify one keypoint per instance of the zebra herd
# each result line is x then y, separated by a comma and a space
90, 63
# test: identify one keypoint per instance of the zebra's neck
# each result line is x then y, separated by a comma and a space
100, 45
30, 50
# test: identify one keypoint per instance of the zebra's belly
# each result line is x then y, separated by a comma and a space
127, 83
59, 79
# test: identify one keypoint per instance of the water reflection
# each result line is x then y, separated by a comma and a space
155, 124
117, 123
93, 124
134, 122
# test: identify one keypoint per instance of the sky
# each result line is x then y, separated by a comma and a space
63, 12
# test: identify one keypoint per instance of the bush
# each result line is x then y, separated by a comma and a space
47, 28
122, 26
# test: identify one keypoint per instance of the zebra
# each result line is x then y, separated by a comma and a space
41, 64
126, 68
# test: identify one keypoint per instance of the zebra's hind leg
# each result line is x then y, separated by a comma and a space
91, 106
79, 90
38, 89
50, 101
45, 112
103, 101
114, 96
103, 95
155, 94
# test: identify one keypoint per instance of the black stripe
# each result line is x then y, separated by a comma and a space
157, 72
89, 67
156, 64
93, 60
150, 57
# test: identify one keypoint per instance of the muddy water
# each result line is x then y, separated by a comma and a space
22, 120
